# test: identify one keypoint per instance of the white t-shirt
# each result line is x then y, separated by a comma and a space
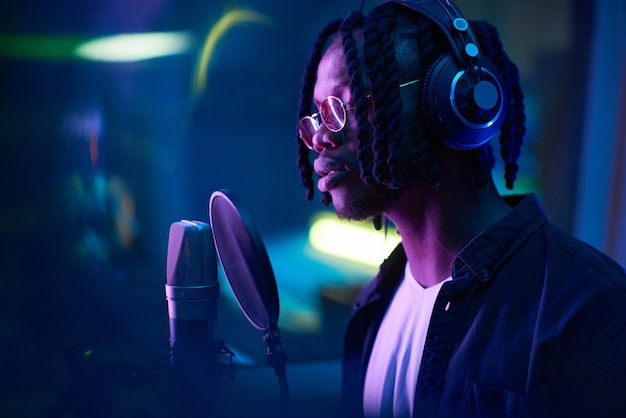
393, 368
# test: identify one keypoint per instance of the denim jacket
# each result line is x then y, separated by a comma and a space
533, 324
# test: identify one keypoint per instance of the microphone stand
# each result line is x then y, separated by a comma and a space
196, 372
277, 358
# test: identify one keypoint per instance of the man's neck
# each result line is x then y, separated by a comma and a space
436, 225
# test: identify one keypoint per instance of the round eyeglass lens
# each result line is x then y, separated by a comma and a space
307, 128
333, 113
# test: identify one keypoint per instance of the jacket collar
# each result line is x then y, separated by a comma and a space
482, 256
488, 250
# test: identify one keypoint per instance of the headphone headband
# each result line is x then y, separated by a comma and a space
453, 25
463, 99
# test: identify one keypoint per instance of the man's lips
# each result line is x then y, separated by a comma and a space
331, 172
330, 180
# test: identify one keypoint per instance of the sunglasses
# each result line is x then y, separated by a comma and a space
332, 113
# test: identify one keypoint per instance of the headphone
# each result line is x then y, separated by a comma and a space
463, 99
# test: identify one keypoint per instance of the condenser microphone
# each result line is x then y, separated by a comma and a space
192, 291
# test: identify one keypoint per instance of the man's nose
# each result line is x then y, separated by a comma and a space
324, 138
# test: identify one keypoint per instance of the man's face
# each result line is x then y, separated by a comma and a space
336, 162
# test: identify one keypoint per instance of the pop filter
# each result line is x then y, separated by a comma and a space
246, 264
244, 260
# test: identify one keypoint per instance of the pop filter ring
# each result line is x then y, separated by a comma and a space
247, 267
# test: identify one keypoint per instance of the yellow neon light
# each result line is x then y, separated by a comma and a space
226, 22
358, 242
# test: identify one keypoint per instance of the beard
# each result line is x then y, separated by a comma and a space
364, 202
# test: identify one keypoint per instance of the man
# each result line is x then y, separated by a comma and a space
485, 309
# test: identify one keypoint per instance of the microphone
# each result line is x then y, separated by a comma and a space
192, 291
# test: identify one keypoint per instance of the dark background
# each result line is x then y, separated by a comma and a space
98, 159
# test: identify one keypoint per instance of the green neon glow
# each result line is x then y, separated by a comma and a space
40, 47
354, 241
114, 48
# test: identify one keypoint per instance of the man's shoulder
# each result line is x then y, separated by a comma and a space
562, 247
578, 254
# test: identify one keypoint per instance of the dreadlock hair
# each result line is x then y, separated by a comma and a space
397, 46
513, 128
306, 101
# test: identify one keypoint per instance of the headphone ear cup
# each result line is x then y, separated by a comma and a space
463, 109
